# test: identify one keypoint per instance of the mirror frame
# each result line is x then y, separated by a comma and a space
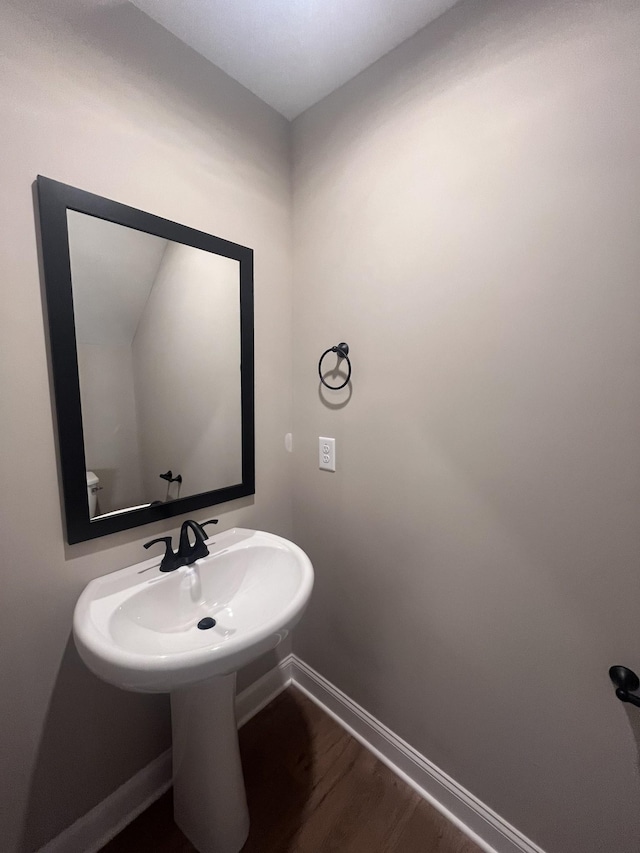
54, 199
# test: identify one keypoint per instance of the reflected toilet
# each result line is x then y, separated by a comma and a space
92, 492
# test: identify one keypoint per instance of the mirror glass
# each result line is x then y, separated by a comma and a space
151, 340
155, 322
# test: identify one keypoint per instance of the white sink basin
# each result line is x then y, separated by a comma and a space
137, 628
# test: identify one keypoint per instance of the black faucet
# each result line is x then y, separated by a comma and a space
170, 561
187, 553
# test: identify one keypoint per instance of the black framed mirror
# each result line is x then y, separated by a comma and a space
151, 345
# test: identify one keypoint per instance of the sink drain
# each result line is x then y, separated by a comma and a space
205, 623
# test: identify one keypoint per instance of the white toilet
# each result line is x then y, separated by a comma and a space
92, 492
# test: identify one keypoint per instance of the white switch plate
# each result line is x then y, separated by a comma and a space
327, 453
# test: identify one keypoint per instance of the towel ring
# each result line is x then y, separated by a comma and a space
342, 351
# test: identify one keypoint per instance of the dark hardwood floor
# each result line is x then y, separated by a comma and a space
311, 788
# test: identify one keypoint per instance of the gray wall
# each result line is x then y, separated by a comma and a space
189, 338
110, 425
467, 218
108, 101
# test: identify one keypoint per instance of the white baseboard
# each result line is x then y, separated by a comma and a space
95, 829
473, 817
489, 831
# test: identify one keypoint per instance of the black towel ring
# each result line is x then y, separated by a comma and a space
342, 351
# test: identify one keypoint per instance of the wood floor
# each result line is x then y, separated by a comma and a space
311, 788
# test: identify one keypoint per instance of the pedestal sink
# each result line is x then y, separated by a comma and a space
187, 633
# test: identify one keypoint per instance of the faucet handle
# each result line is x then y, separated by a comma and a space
170, 561
187, 552
211, 521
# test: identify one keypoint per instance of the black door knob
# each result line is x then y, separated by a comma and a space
625, 680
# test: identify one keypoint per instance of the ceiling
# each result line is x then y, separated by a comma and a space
292, 53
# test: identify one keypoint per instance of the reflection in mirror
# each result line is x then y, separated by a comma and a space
151, 344
158, 337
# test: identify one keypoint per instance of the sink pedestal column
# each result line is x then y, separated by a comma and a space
210, 805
